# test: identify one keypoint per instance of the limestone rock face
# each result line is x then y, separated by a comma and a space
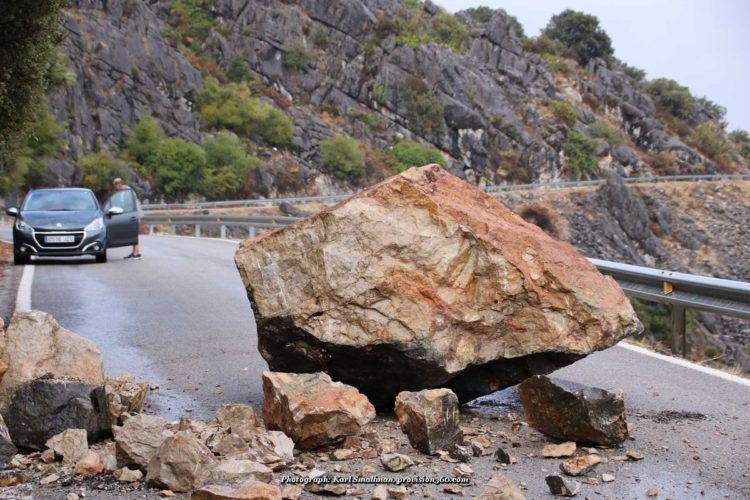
430, 419
36, 346
566, 410
425, 281
312, 409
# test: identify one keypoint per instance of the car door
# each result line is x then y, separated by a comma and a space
122, 229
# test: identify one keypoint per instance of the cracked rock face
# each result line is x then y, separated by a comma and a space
425, 281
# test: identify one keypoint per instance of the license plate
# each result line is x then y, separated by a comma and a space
59, 239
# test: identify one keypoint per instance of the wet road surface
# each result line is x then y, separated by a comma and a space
180, 319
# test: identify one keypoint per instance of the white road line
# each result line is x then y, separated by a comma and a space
686, 364
23, 298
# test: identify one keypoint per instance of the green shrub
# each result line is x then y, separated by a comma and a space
180, 167
320, 39
710, 140
564, 113
407, 154
663, 162
580, 153
448, 31
635, 74
239, 70
581, 33
421, 107
373, 121
672, 96
296, 57
717, 111
228, 165
343, 158
171, 35
545, 46
99, 169
232, 107
144, 141
194, 21
609, 134
741, 140
59, 74
481, 14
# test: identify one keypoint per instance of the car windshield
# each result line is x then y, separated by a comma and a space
42, 201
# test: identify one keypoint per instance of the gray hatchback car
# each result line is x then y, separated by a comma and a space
67, 222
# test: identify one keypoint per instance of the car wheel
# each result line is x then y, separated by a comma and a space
102, 257
20, 260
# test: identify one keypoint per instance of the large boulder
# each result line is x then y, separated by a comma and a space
567, 410
425, 281
430, 419
36, 346
43, 408
312, 409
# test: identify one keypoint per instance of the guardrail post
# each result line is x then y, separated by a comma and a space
251, 231
223, 231
172, 229
678, 329
150, 229
197, 230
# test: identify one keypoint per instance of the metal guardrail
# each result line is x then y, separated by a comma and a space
223, 221
681, 291
489, 189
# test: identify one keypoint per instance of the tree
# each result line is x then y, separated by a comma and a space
239, 70
229, 165
342, 157
581, 33
44, 140
409, 154
29, 35
147, 135
180, 166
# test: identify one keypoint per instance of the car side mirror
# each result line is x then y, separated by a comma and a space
115, 211
13, 211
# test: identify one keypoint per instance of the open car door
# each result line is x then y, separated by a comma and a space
122, 228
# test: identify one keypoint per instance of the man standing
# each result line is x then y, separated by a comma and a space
136, 253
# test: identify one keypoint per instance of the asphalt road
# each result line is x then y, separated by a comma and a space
180, 318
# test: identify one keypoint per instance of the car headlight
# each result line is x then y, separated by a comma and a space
23, 227
95, 225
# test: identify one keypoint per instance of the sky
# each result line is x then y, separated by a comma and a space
702, 44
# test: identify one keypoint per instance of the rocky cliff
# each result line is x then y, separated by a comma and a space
494, 109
